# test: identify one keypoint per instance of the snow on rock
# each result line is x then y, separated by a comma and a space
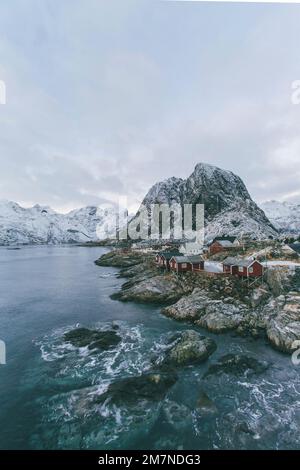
285, 216
229, 208
41, 224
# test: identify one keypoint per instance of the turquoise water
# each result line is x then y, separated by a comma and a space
48, 388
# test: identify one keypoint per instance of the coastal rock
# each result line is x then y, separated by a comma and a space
236, 365
278, 279
94, 339
220, 317
119, 259
191, 348
219, 303
189, 307
161, 288
258, 296
150, 386
282, 317
215, 315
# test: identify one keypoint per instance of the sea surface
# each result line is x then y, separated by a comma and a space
48, 388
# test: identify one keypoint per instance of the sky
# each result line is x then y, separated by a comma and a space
105, 98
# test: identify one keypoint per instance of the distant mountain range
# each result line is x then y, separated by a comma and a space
42, 225
285, 216
229, 210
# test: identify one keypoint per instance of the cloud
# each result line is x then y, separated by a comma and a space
104, 101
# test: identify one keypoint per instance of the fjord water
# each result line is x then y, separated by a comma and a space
48, 388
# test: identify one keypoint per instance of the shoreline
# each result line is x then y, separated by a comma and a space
219, 304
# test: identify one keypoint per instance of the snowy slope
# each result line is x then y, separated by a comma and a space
41, 224
285, 216
229, 209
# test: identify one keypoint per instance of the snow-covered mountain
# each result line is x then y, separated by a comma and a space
229, 208
285, 216
41, 224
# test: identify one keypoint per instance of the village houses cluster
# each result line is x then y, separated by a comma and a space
244, 257
178, 262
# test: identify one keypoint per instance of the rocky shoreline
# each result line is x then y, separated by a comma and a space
215, 302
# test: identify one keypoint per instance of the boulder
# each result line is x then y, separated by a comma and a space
120, 259
220, 316
216, 315
159, 288
94, 339
236, 364
189, 307
191, 348
282, 319
151, 386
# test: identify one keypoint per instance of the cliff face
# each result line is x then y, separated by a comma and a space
229, 208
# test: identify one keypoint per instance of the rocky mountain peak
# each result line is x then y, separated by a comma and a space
229, 208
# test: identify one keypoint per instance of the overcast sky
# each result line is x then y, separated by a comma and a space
105, 98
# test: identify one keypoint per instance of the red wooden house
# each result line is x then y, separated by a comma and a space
220, 245
186, 263
243, 267
163, 258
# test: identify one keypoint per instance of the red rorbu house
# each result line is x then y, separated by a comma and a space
220, 245
163, 258
243, 267
187, 263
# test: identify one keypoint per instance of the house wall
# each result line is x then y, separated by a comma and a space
161, 262
188, 267
172, 265
198, 266
226, 269
180, 268
236, 270
215, 248
257, 270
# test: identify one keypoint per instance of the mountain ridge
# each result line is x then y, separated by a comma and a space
229, 208
285, 216
42, 225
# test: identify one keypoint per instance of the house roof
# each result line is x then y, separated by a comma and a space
188, 259
230, 239
168, 254
225, 243
295, 247
195, 258
181, 259
231, 261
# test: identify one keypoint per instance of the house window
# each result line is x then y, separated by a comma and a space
241, 269
183, 265
250, 270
